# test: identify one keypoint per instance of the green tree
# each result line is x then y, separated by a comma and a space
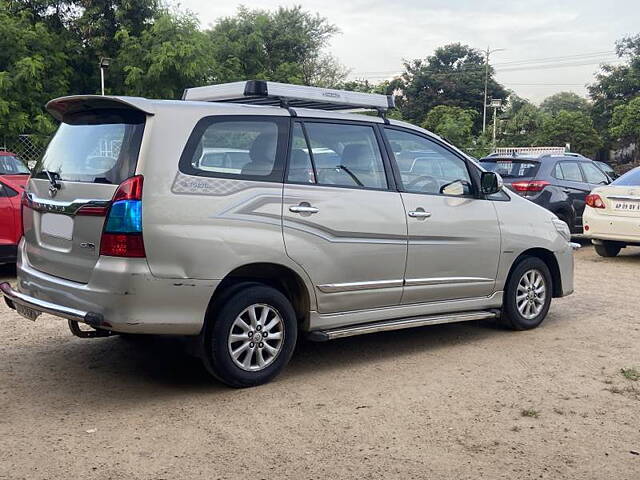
616, 84
453, 123
575, 128
625, 122
454, 75
286, 45
568, 101
169, 55
521, 121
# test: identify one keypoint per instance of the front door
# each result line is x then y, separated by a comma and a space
454, 237
342, 222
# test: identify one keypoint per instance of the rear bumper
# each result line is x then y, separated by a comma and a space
122, 296
611, 227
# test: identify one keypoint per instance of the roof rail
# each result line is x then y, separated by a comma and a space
531, 151
261, 92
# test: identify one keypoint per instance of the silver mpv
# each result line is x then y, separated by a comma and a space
248, 213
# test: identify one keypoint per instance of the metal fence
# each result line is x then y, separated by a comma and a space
29, 148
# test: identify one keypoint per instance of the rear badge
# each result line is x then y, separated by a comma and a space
53, 191
90, 245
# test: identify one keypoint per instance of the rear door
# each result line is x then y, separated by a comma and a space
92, 152
343, 221
7, 217
571, 180
454, 237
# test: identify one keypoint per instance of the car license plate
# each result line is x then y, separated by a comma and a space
627, 206
26, 312
59, 226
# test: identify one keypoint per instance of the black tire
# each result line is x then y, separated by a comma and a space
217, 355
511, 315
608, 249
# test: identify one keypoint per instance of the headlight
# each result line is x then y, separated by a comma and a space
562, 228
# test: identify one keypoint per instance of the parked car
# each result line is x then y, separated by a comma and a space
612, 215
606, 168
320, 231
559, 183
13, 177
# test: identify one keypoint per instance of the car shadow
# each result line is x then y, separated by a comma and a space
126, 370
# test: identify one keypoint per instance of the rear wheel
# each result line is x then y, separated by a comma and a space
527, 295
252, 336
608, 249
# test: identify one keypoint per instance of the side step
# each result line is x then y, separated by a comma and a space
398, 324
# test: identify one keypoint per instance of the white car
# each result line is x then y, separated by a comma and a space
612, 215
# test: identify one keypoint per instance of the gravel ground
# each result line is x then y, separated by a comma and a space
451, 401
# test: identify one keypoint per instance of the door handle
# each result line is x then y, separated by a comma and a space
419, 213
303, 208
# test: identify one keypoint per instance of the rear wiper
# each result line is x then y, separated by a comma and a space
53, 183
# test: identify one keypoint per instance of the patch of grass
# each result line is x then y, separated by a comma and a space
630, 374
529, 412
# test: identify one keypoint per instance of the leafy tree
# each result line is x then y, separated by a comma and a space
575, 128
453, 123
521, 122
625, 123
286, 45
454, 75
616, 84
568, 101
170, 54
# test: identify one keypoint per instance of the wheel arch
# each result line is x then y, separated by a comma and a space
550, 261
283, 278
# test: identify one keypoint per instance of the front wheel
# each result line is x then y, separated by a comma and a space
527, 295
607, 249
251, 338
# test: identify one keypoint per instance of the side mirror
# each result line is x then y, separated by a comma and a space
490, 183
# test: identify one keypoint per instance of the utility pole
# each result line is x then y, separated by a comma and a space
496, 103
487, 52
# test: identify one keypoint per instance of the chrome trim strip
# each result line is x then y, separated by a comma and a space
400, 324
64, 208
623, 197
413, 282
48, 307
355, 286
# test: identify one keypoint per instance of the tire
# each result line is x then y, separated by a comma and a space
231, 328
608, 249
517, 315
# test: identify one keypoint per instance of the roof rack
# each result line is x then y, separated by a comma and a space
261, 92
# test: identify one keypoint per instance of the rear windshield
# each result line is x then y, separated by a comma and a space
10, 165
100, 146
510, 168
629, 179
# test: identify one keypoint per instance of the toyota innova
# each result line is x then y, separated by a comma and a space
249, 213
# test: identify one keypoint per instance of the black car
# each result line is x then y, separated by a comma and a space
558, 183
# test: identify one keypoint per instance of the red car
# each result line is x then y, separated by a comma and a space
13, 178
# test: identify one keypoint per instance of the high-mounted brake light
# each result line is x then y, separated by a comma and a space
122, 234
530, 185
595, 201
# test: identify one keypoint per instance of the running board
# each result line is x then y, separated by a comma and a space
398, 324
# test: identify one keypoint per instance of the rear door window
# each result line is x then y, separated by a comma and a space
345, 155
100, 146
569, 171
10, 165
249, 148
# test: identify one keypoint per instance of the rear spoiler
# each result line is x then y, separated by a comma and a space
63, 106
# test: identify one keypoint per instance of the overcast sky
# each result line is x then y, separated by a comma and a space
550, 46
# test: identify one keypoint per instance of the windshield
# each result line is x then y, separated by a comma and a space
629, 179
510, 168
98, 147
10, 165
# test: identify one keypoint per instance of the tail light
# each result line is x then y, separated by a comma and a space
530, 185
122, 234
595, 201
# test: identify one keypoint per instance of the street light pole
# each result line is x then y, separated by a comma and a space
486, 85
496, 103
104, 64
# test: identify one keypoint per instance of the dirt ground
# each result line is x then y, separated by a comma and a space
451, 401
